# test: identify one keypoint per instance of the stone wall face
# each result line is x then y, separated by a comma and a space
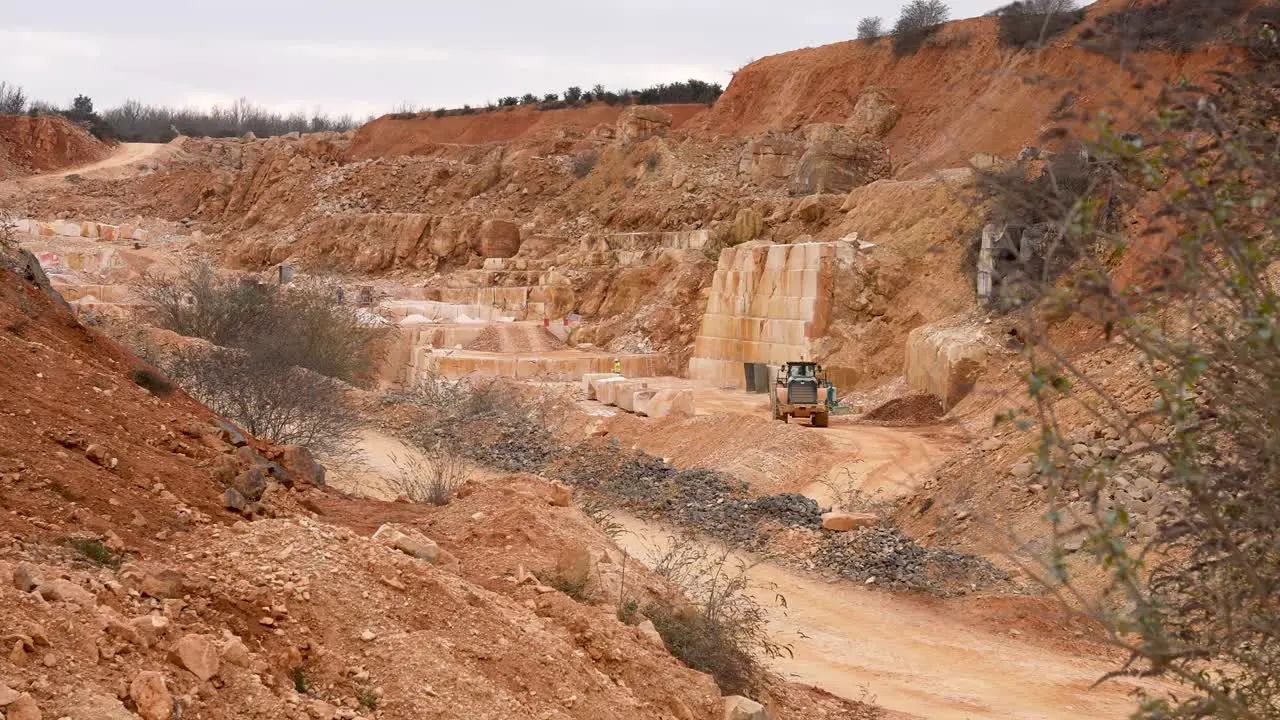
945, 361
766, 303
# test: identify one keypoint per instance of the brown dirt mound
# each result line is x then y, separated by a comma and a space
509, 338
44, 143
908, 410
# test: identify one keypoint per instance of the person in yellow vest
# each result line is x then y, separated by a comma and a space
617, 366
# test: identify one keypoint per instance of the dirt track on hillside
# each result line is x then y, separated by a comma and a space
940, 659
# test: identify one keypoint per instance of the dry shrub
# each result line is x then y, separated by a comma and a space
283, 404
870, 29
1169, 25
493, 421
1191, 592
1030, 23
432, 478
919, 20
723, 629
7, 227
302, 324
152, 381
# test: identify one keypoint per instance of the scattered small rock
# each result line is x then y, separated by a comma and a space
737, 707
561, 495
24, 708
25, 578
197, 654
151, 696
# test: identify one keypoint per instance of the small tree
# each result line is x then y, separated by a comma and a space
82, 107
919, 20
573, 94
550, 98
528, 99
598, 92
870, 29
13, 99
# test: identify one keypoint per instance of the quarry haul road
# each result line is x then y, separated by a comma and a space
125, 154
916, 656
920, 656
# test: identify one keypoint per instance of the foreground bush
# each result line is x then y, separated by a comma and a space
724, 629
1193, 597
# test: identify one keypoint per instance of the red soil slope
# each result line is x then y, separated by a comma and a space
389, 137
973, 95
44, 143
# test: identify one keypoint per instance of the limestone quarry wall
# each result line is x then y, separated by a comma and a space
767, 303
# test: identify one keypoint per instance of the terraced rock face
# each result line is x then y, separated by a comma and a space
767, 303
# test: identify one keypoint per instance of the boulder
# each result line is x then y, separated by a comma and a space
24, 708
640, 122
151, 697
737, 707
197, 654
233, 500
651, 634
607, 389
875, 114
945, 361
7, 695
163, 584
845, 521
233, 651
671, 403
497, 239
626, 394
640, 401
747, 224
150, 628
576, 566
770, 158
66, 591
837, 159
589, 383
815, 208
251, 483
303, 465
408, 541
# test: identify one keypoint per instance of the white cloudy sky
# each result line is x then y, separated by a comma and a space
368, 56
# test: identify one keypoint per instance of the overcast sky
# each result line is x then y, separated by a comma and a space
370, 56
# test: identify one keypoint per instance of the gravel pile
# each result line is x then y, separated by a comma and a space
709, 501
896, 562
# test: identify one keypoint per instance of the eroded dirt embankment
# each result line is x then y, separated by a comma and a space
44, 143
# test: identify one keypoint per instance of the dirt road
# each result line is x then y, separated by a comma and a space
931, 658
125, 155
